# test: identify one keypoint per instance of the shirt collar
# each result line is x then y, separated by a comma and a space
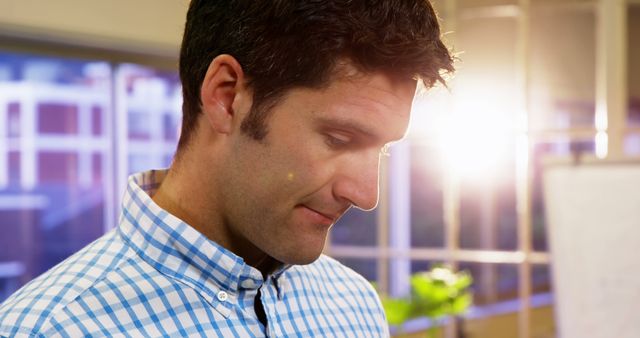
176, 249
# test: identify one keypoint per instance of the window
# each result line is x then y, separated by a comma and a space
54, 161
66, 127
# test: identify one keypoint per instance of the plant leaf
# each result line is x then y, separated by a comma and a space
463, 281
461, 304
397, 310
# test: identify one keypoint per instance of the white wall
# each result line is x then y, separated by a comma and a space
144, 25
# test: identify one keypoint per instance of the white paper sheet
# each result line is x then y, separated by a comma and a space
593, 214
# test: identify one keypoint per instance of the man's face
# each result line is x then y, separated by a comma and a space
320, 156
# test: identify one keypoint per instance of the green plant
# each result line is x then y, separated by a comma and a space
436, 294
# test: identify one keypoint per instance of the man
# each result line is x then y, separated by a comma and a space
287, 105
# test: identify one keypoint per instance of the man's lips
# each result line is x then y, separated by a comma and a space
321, 217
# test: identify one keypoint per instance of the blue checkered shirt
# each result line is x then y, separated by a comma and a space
154, 275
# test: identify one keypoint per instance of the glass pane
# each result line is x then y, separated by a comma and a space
495, 314
356, 227
492, 283
538, 214
632, 145
542, 314
488, 215
541, 280
153, 101
485, 85
55, 160
427, 223
495, 294
488, 56
482, 144
562, 67
633, 63
422, 266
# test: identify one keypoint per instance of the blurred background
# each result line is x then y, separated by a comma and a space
89, 93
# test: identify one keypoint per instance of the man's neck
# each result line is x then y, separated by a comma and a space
203, 216
267, 265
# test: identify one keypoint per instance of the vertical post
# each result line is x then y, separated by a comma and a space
400, 218
450, 188
157, 89
85, 148
488, 238
28, 136
4, 142
611, 81
120, 131
110, 152
383, 227
451, 198
523, 169
451, 205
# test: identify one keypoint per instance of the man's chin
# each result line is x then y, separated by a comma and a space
307, 260
299, 249
302, 257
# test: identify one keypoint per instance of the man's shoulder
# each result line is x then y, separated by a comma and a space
28, 310
331, 268
340, 295
340, 279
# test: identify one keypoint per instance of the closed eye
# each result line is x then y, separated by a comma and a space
336, 141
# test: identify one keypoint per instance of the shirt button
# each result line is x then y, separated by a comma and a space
222, 296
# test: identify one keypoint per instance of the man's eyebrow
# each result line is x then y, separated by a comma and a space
348, 125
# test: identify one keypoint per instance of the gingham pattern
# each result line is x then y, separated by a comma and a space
156, 276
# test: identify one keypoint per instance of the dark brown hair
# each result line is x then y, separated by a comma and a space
282, 44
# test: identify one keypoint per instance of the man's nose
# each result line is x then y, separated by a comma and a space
357, 181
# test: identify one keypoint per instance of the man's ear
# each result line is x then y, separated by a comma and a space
220, 87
